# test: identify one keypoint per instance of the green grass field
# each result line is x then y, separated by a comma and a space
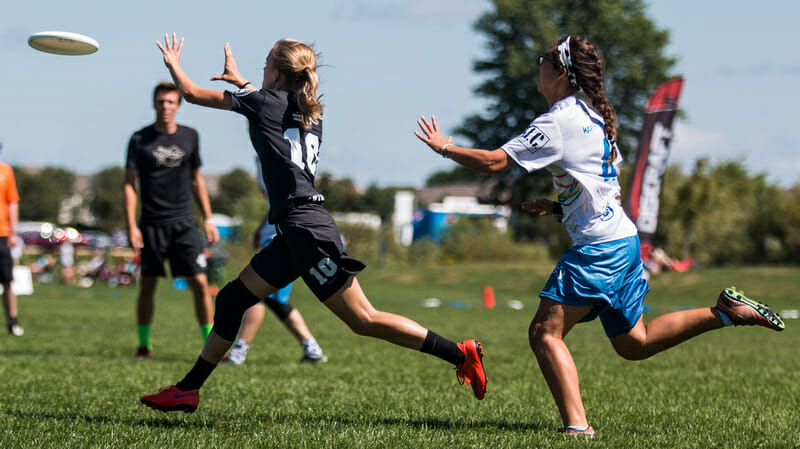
72, 380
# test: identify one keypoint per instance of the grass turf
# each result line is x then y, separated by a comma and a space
72, 380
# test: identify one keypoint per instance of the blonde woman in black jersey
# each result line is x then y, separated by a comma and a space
285, 118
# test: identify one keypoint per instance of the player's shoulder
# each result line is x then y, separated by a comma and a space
147, 130
188, 130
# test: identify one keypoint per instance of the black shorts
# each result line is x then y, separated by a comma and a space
6, 262
308, 245
181, 243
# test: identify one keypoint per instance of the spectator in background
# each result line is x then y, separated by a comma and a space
66, 257
9, 216
165, 157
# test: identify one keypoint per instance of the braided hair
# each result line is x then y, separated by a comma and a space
586, 68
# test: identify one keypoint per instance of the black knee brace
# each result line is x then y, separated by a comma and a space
280, 309
232, 301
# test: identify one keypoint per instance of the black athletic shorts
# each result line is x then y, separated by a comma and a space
6, 262
308, 245
181, 243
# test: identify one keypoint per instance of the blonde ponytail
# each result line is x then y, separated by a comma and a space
298, 63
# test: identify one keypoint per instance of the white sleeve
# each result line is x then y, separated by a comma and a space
539, 146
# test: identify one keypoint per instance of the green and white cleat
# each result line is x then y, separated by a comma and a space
744, 311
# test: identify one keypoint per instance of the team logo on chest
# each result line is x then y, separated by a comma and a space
170, 156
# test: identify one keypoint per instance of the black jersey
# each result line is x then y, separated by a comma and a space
288, 153
165, 163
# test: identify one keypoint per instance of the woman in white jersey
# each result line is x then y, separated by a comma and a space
285, 120
601, 275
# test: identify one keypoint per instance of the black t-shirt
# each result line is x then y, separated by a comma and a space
288, 153
165, 163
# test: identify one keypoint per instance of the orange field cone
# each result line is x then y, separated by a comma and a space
488, 297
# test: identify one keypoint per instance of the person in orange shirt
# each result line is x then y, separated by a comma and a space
9, 216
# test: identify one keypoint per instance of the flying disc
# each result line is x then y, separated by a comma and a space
63, 43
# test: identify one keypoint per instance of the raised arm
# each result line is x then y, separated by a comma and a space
484, 161
171, 50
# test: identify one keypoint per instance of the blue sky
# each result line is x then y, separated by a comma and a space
386, 62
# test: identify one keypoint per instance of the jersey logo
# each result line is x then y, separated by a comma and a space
243, 92
535, 137
608, 214
170, 156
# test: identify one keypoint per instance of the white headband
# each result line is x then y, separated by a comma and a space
566, 61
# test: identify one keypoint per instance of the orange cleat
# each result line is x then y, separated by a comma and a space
471, 372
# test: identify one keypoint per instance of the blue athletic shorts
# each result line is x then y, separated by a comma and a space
607, 276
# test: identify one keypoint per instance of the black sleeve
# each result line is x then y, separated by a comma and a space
130, 160
247, 102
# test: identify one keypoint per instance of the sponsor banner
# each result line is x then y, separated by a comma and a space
651, 159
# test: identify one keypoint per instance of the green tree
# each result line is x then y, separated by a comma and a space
107, 202
341, 195
380, 201
42, 191
518, 31
458, 174
233, 186
719, 214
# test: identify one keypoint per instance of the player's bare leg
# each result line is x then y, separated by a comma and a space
546, 335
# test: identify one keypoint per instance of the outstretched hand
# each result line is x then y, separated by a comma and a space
230, 72
431, 134
171, 50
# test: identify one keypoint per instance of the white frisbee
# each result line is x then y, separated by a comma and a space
63, 43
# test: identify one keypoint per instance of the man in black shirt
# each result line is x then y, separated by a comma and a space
165, 157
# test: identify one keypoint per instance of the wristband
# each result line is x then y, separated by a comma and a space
443, 150
245, 84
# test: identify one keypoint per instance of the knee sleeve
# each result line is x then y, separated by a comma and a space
280, 309
232, 301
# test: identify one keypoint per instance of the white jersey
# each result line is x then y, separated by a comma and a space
570, 142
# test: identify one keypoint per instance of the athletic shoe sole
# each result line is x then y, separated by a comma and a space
588, 433
178, 408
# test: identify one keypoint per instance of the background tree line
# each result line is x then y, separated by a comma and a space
716, 213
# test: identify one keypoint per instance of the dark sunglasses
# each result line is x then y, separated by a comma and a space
543, 58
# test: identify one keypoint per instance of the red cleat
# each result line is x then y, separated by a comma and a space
143, 352
169, 399
471, 371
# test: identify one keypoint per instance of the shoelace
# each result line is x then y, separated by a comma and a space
462, 379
